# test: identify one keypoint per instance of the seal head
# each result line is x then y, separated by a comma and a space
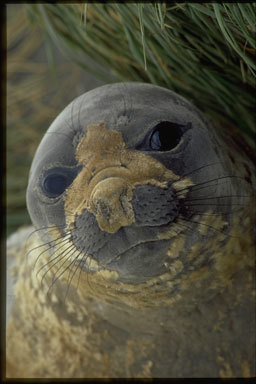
120, 173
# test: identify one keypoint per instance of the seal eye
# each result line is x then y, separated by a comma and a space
166, 136
55, 185
55, 181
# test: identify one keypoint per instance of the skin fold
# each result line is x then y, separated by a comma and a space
141, 262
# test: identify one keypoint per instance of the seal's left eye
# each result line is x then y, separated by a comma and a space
55, 181
166, 136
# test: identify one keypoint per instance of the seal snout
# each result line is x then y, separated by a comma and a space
110, 175
110, 203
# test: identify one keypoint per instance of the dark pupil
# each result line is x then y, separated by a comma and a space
55, 185
166, 136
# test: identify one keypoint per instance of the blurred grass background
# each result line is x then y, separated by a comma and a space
204, 51
40, 83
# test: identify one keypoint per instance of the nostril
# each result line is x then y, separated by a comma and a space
124, 201
101, 208
110, 204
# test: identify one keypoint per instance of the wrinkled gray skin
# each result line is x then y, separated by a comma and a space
183, 336
132, 109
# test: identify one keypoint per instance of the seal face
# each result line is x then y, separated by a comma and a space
122, 172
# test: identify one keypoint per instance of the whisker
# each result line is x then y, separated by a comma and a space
82, 260
212, 204
56, 257
193, 187
47, 249
61, 256
217, 197
87, 269
58, 276
209, 226
202, 167
185, 226
42, 245
73, 274
64, 257
212, 214
198, 189
87, 273
41, 229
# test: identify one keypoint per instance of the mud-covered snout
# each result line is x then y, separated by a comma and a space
110, 174
110, 202
115, 205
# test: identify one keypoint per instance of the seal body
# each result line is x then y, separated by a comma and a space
143, 255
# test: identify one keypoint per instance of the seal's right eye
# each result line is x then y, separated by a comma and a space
166, 136
55, 185
55, 181
163, 137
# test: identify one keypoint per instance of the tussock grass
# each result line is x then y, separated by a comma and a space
34, 97
204, 51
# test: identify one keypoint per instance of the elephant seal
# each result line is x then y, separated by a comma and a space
142, 260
